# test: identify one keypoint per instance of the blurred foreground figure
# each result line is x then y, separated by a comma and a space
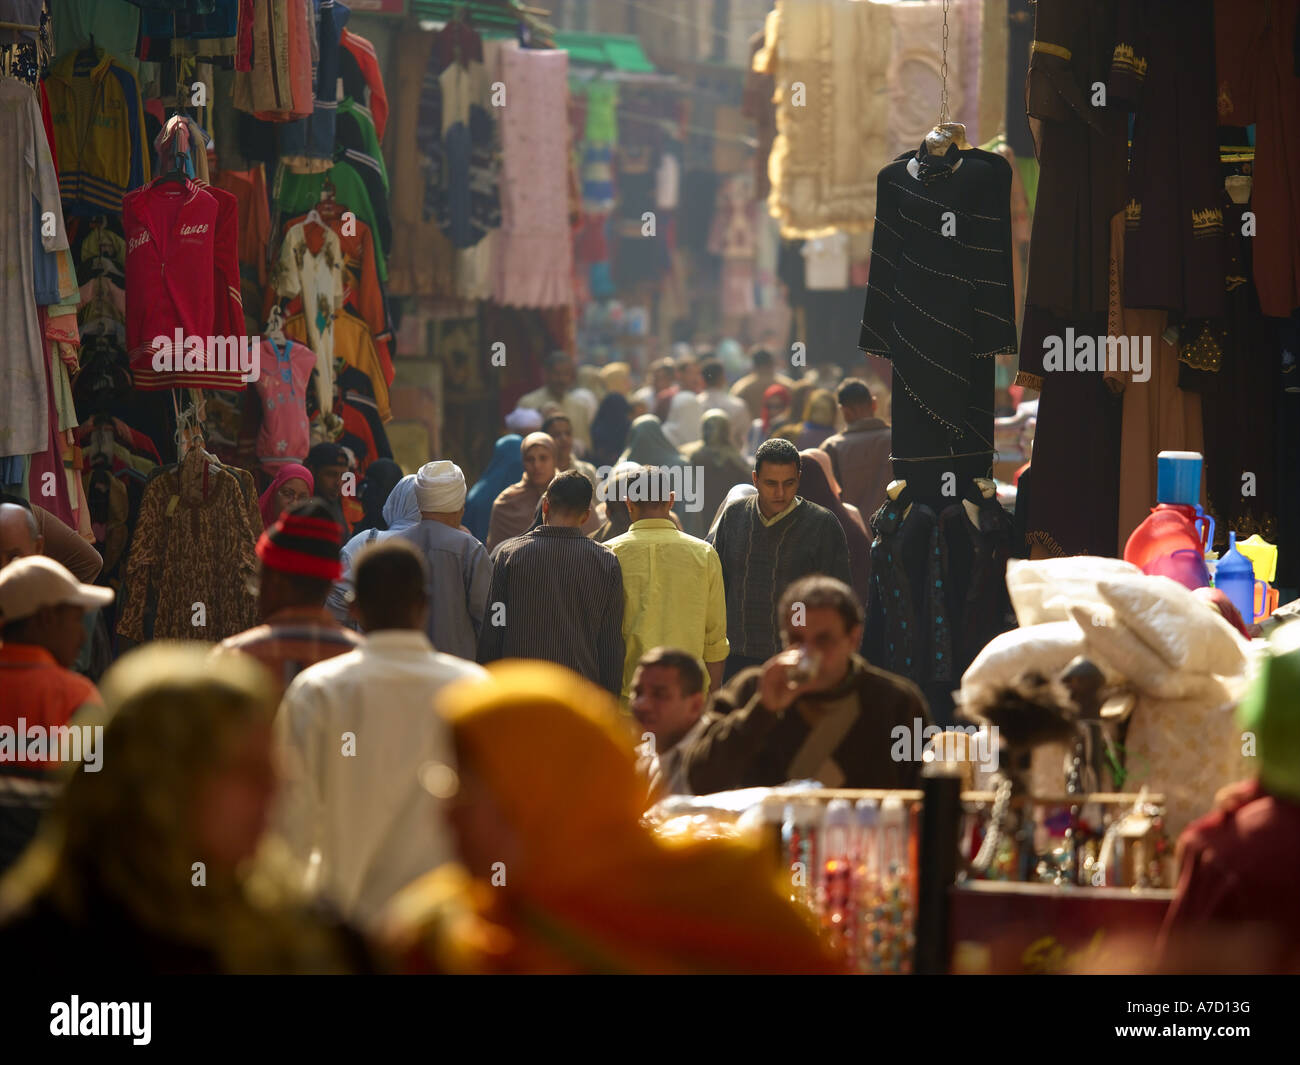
146, 866
354, 732
1235, 910
561, 877
42, 701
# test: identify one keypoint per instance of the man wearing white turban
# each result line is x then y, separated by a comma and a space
524, 420
460, 574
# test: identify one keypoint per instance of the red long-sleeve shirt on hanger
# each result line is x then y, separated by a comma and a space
175, 259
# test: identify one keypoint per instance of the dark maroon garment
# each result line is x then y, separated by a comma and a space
1163, 70
1074, 507
1082, 156
814, 487
1240, 866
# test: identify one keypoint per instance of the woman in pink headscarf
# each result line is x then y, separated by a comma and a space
292, 484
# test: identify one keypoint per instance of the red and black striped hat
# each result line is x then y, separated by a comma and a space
303, 541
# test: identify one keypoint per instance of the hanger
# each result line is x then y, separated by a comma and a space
176, 174
945, 133
275, 324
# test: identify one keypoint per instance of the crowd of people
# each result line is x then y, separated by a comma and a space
434, 751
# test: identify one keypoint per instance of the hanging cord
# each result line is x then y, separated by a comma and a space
944, 116
189, 423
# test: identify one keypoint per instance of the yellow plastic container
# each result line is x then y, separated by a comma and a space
1262, 555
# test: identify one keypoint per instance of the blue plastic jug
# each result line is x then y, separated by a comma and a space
1235, 576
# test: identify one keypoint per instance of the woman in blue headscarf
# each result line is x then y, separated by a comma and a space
401, 511
506, 467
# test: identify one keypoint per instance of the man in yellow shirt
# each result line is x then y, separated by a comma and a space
672, 583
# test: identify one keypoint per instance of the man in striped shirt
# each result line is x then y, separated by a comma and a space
557, 595
300, 562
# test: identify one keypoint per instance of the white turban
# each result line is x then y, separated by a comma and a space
440, 487
524, 420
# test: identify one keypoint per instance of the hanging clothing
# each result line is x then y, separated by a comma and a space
938, 589
756, 104
1073, 508
914, 73
832, 136
29, 181
284, 435
1233, 365
362, 290
1163, 70
114, 25
278, 87
252, 209
534, 248
640, 250
456, 135
1258, 63
182, 144
422, 259
193, 547
182, 274
98, 126
308, 144
353, 344
359, 142
299, 193
316, 277
1158, 414
942, 367
1082, 152
826, 262
359, 69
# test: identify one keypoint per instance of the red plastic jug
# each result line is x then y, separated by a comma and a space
1168, 528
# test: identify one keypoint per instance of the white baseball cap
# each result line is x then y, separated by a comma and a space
27, 584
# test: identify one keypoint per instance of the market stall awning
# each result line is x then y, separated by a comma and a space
605, 51
490, 17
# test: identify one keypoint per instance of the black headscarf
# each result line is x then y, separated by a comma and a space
382, 476
609, 429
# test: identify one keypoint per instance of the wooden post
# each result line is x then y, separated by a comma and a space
936, 871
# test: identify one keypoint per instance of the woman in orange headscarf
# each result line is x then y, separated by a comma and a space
560, 876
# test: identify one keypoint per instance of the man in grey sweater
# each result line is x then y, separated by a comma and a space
766, 542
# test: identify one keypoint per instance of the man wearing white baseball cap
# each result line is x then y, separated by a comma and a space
460, 574
41, 607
